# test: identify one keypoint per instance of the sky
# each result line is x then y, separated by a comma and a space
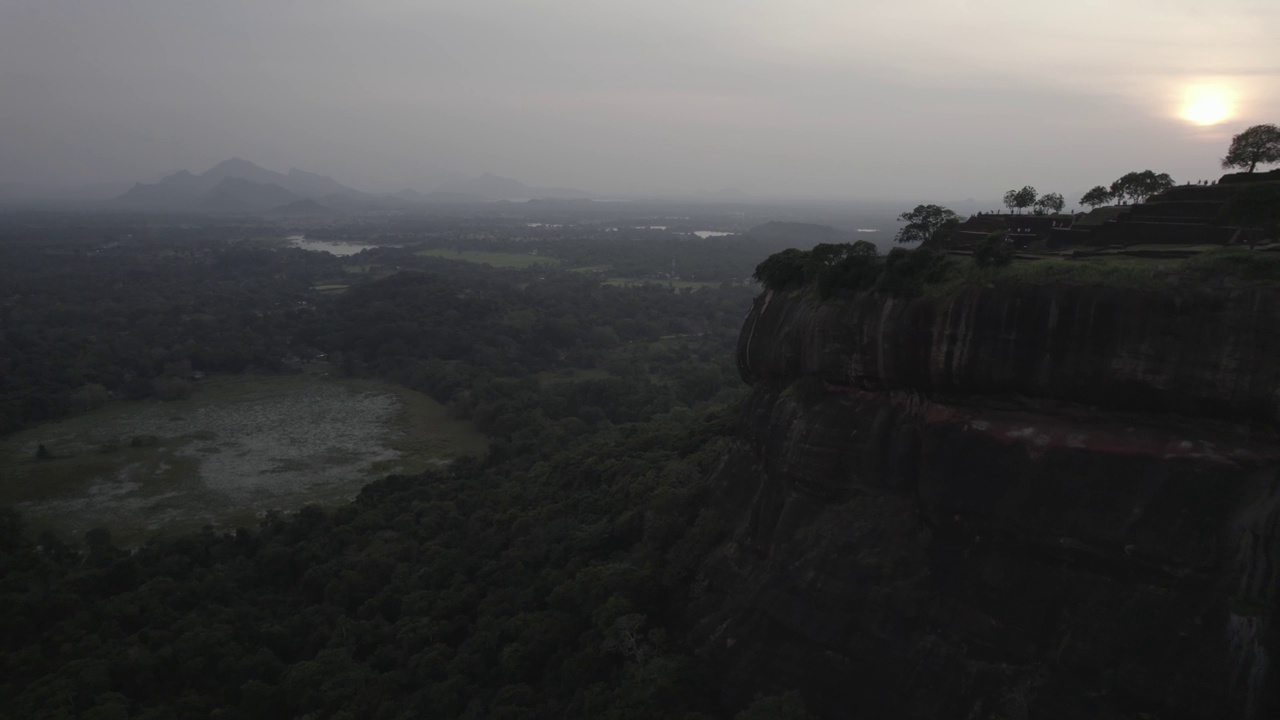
912, 100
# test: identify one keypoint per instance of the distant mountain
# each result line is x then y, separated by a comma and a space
410, 195
237, 185
444, 196
235, 194
312, 184
490, 187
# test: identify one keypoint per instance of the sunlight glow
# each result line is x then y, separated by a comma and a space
1207, 105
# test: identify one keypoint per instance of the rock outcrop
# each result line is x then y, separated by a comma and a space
1004, 503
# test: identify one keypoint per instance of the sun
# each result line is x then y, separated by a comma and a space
1206, 105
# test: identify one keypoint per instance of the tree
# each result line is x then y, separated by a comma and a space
925, 222
782, 270
1020, 199
1258, 144
1051, 203
1097, 197
1138, 186
1157, 183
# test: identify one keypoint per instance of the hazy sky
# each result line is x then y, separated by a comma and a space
898, 99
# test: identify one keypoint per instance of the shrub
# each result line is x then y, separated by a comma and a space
993, 251
906, 272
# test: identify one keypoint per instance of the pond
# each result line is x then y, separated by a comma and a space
335, 248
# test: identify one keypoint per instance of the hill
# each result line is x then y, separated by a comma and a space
209, 191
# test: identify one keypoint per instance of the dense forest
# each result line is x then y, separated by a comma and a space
544, 579
135, 317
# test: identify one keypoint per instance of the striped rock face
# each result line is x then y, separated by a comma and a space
1004, 503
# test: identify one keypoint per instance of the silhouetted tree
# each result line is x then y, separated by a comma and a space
1138, 186
925, 222
1050, 203
1258, 144
1097, 197
1020, 199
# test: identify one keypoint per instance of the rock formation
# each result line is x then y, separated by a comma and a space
1004, 503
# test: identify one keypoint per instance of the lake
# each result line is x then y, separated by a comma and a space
334, 248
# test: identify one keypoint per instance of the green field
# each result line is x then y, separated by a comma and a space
236, 448
494, 259
1236, 266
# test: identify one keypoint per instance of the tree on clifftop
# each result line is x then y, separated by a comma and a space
1020, 199
1258, 144
1097, 197
925, 222
782, 270
1138, 186
1050, 203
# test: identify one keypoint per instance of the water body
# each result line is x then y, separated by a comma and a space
333, 248
711, 233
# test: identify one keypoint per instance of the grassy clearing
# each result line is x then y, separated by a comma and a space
1235, 266
591, 269
493, 259
238, 447
425, 434
329, 287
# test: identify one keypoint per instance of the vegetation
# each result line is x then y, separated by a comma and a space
1138, 186
496, 259
1020, 199
1097, 196
925, 222
543, 578
852, 267
1258, 144
240, 445
1050, 203
907, 273
995, 250
540, 585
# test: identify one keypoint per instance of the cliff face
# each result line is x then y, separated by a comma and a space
1050, 503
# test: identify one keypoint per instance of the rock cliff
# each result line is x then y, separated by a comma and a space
1004, 503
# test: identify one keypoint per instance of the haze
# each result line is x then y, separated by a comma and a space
915, 99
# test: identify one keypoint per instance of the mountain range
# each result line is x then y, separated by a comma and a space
239, 186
